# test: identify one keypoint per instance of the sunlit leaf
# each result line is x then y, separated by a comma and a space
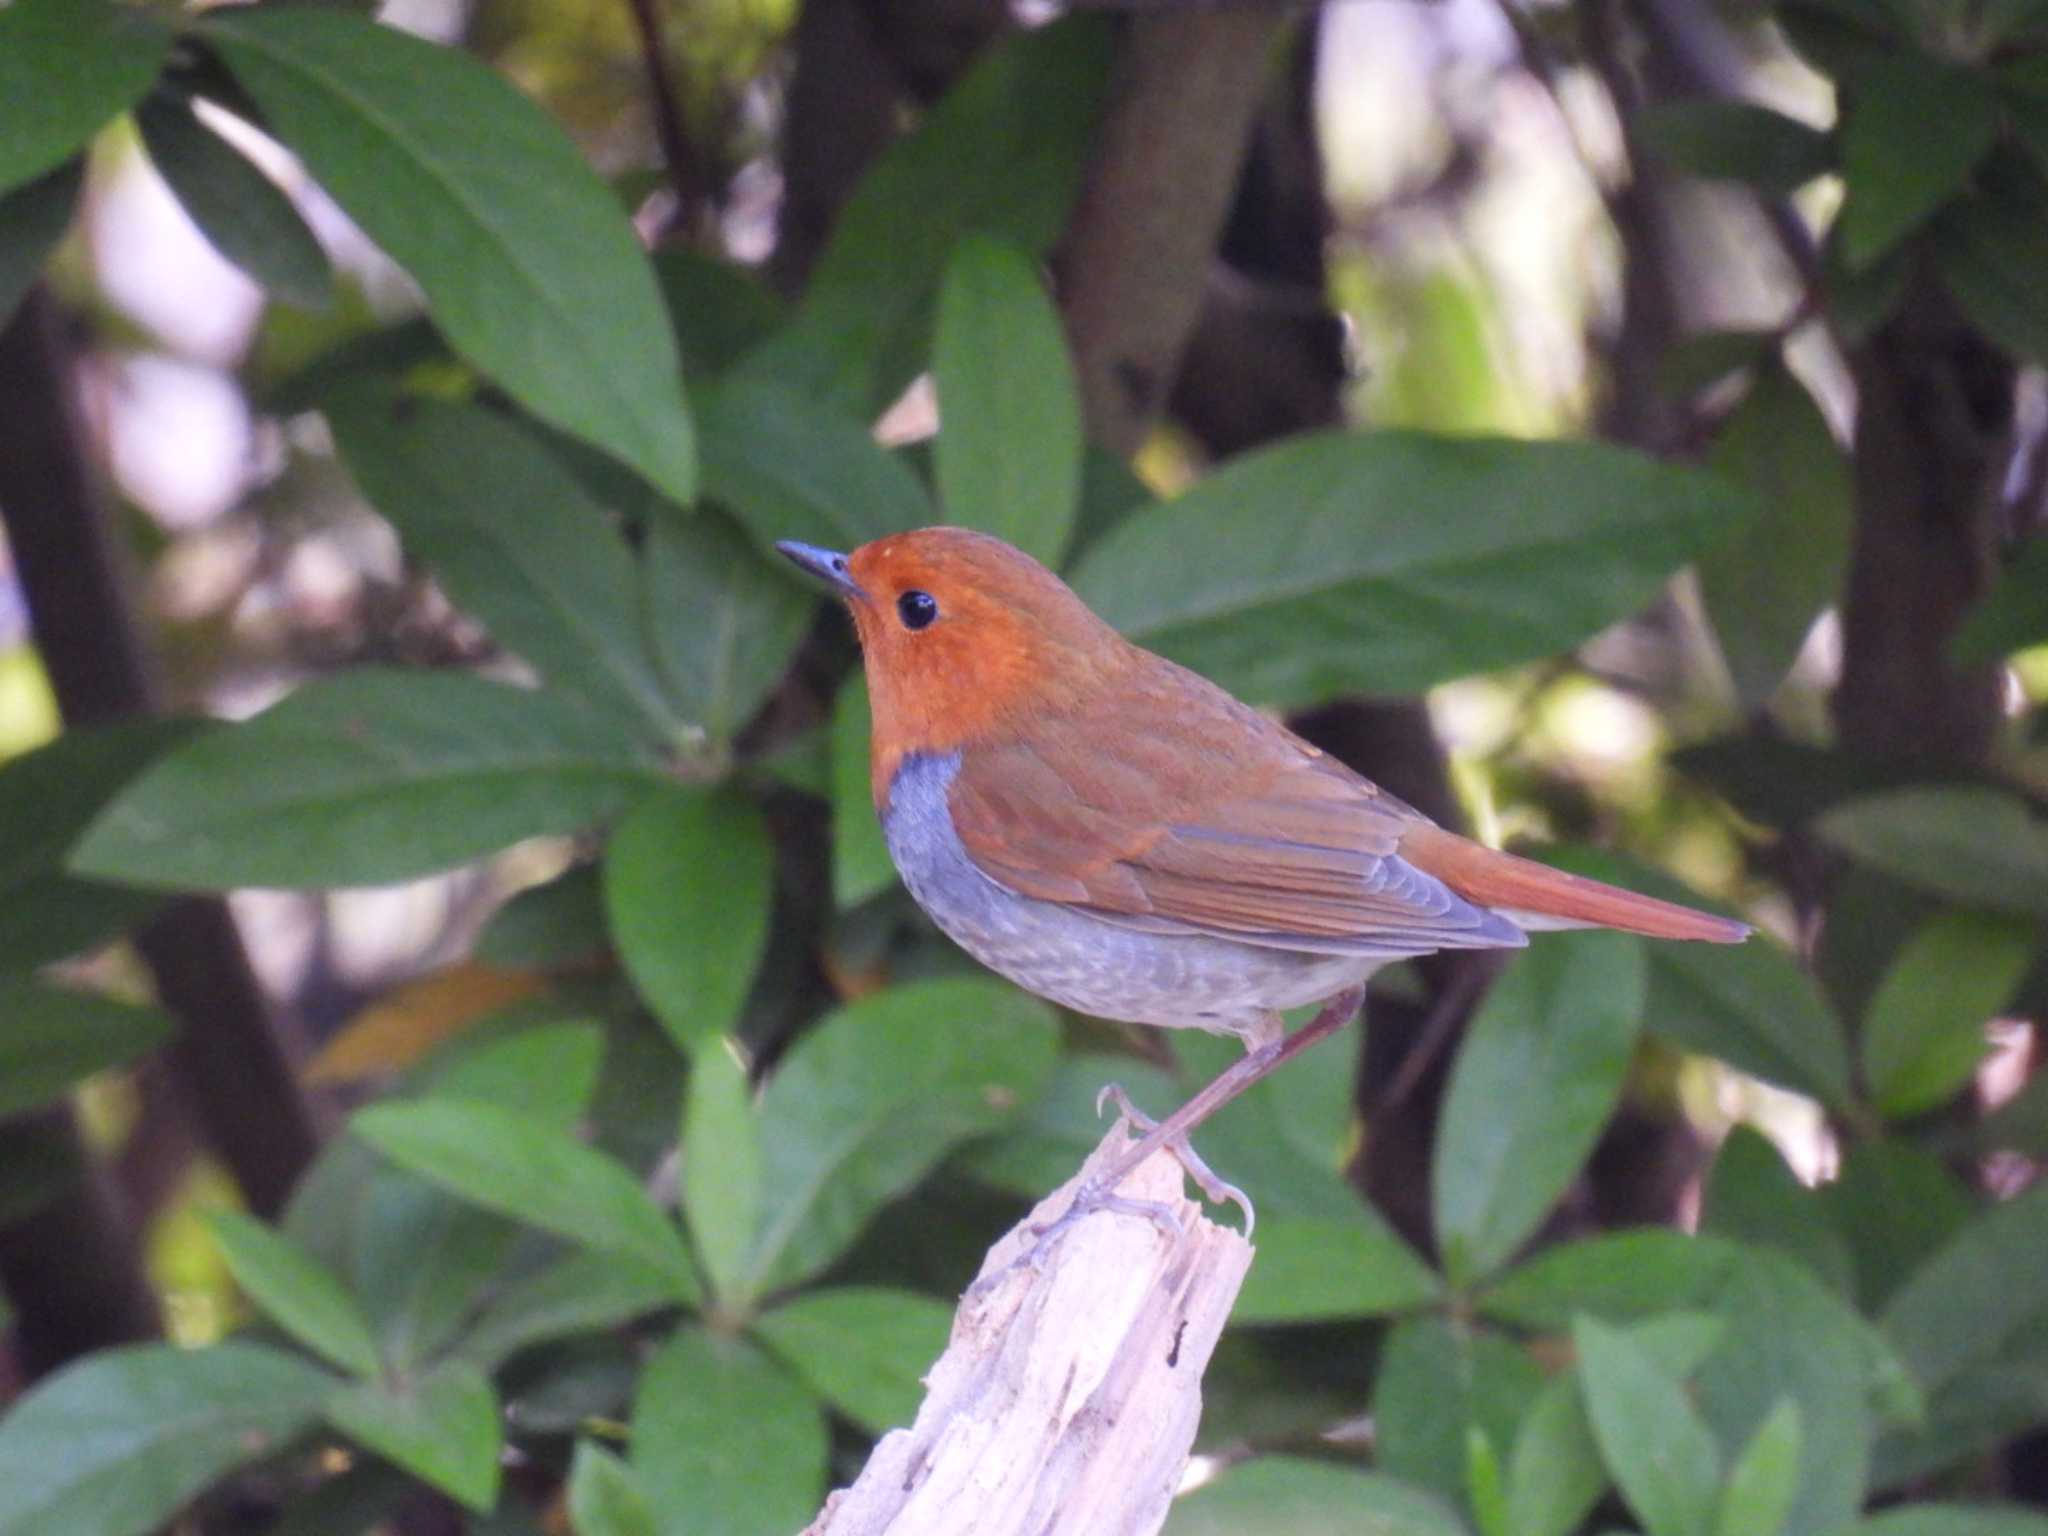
1302, 570
528, 263
364, 778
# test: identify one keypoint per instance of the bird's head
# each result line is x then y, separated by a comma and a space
964, 637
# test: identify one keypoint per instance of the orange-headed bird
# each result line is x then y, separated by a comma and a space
1116, 833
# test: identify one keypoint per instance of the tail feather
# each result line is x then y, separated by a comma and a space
1539, 896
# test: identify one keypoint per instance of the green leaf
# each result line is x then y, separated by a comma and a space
365, 778
1289, 1496
297, 1291
443, 1429
1435, 1385
1789, 1337
720, 312
421, 1256
1764, 588
47, 798
512, 536
721, 1170
557, 924
1758, 1495
1989, 245
1554, 1473
1963, 1307
1617, 1277
52, 1038
1301, 570
1913, 130
722, 623
238, 209
1895, 1204
546, 1072
1008, 454
1736, 141
527, 1170
792, 467
1975, 1416
1748, 1004
2013, 614
117, 1442
868, 1102
725, 1443
1028, 105
605, 1497
687, 882
1658, 1450
1973, 844
1923, 1036
861, 865
33, 218
66, 68
1315, 1270
529, 265
1752, 1197
1539, 1073
863, 1349
580, 1293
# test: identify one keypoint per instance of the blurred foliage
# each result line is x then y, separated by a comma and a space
670, 1169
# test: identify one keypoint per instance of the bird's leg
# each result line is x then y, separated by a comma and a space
1217, 1191
1227, 1085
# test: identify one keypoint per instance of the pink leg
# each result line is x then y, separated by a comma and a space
1173, 1130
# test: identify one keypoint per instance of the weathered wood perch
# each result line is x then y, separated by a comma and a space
1067, 1400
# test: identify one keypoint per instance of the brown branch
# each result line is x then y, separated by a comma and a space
227, 1057
1137, 253
686, 177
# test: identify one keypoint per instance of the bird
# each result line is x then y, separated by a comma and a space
1120, 835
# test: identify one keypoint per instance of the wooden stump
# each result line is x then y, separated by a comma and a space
1068, 1397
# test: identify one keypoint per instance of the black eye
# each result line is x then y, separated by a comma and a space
916, 609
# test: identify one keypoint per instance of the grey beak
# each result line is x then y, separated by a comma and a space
829, 566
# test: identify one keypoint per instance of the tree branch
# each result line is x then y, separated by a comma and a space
1068, 1398
1137, 253
230, 1066
686, 177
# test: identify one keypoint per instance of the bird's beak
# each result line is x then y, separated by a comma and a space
827, 565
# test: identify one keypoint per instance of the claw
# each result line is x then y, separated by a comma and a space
1114, 1093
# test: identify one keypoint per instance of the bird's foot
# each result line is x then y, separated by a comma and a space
1218, 1191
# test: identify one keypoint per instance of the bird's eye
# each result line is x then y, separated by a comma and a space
916, 609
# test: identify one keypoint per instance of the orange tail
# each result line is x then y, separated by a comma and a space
1492, 879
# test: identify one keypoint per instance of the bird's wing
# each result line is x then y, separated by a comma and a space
1184, 811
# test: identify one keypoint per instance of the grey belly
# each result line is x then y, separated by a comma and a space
1084, 962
